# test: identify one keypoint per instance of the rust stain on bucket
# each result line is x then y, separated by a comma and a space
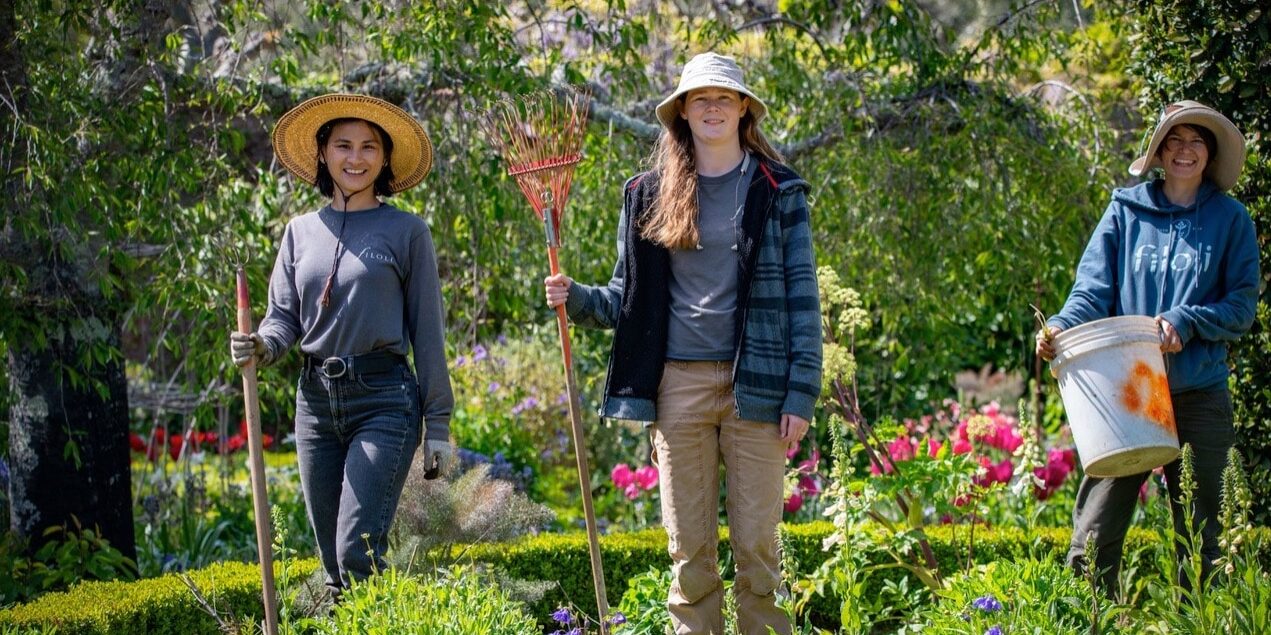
1147, 393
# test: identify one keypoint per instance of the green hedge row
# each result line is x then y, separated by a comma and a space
155, 606
162, 606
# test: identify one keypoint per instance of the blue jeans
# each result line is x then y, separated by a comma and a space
355, 439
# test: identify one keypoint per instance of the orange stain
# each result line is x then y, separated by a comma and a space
1158, 407
1130, 397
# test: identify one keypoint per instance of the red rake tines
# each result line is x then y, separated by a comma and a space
540, 137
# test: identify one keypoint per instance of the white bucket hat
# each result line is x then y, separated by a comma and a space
709, 70
1223, 169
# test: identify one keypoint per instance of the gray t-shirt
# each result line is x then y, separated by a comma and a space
704, 280
386, 297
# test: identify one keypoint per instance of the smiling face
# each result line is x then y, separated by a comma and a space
1184, 154
714, 114
354, 156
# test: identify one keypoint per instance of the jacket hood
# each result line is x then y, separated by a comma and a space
1150, 197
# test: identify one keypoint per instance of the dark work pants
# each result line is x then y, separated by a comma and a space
355, 439
1105, 506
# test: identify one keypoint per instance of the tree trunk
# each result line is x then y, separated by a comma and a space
68, 430
68, 443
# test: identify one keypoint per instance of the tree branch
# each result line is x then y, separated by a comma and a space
781, 19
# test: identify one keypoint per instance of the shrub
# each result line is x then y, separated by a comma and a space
164, 605
67, 556
474, 507
157, 606
455, 601
1027, 596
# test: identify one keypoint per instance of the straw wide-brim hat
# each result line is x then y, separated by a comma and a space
1222, 169
296, 136
709, 70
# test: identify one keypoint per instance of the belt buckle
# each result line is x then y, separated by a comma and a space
331, 361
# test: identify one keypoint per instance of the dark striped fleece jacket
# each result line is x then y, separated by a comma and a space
777, 333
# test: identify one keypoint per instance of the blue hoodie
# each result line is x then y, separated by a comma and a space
1195, 266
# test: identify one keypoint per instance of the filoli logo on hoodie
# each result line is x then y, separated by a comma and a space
1184, 257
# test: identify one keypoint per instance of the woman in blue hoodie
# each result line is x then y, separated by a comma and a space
1179, 249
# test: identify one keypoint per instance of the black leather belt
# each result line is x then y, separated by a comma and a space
354, 365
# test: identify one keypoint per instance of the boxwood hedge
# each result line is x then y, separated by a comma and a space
164, 606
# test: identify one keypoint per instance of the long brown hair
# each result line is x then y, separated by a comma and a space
673, 223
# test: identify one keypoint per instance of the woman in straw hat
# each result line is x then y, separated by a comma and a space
355, 283
717, 337
1179, 249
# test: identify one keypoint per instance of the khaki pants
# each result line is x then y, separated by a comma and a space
696, 427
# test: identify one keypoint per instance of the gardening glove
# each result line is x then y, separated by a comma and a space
243, 348
438, 457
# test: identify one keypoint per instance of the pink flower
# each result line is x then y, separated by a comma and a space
794, 502
995, 472
647, 477
809, 486
991, 410
621, 476
631, 491
902, 449
933, 447
1059, 464
1005, 437
961, 446
1002, 471
809, 465
791, 452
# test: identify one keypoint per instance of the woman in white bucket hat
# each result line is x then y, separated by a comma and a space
1180, 249
355, 284
717, 342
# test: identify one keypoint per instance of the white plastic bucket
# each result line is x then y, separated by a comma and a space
1112, 378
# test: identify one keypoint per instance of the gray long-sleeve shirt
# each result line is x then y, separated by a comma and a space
386, 297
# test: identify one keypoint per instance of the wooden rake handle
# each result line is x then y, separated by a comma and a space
256, 461
580, 444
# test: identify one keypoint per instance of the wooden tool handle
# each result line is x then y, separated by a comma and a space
256, 461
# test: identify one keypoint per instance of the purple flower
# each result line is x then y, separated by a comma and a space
460, 361
618, 618
501, 339
579, 631
526, 404
494, 387
994, 630
479, 353
988, 604
562, 616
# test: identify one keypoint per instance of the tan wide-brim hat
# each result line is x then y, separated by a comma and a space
709, 70
296, 136
1222, 169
